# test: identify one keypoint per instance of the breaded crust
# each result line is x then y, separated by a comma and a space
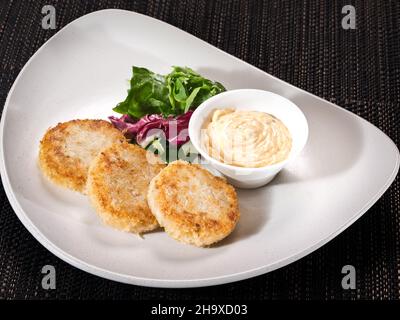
117, 185
192, 205
67, 150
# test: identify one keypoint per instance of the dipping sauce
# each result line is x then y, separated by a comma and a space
249, 139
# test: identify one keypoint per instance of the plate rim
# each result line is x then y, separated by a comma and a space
171, 283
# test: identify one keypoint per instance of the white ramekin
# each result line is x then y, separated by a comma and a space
256, 100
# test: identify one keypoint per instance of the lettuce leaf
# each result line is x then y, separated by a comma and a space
172, 129
148, 94
171, 95
166, 137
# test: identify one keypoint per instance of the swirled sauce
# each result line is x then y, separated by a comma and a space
249, 139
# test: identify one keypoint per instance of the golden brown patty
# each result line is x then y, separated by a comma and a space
67, 150
192, 205
118, 181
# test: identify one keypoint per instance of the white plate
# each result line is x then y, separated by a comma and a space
83, 71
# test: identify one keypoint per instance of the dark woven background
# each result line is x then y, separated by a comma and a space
301, 42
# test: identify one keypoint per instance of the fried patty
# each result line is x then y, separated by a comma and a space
117, 185
192, 205
67, 150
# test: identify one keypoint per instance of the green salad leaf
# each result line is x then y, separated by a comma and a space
173, 94
148, 94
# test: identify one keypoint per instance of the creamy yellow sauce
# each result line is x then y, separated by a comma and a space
249, 139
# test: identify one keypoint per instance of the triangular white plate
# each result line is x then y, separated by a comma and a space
83, 71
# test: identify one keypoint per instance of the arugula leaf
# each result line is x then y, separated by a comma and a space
189, 89
190, 99
173, 94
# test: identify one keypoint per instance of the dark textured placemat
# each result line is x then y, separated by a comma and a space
301, 42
